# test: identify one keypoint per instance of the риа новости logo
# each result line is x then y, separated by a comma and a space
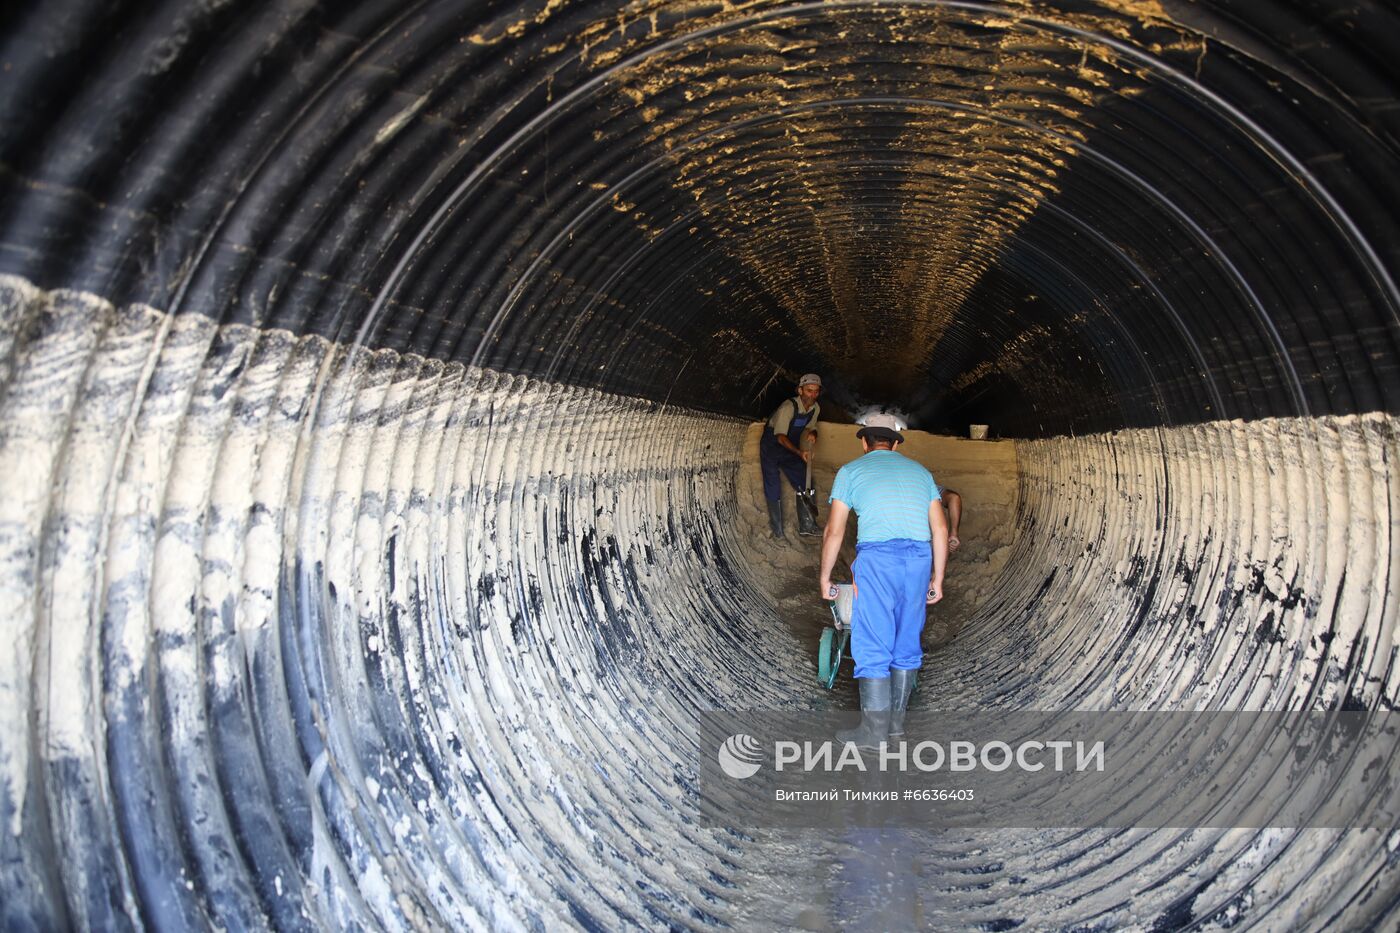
740, 756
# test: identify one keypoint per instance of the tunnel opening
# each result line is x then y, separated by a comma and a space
378, 390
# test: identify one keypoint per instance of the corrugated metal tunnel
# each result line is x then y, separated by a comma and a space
376, 378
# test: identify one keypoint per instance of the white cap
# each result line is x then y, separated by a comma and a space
811, 379
882, 425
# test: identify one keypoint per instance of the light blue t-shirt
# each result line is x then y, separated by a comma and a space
889, 493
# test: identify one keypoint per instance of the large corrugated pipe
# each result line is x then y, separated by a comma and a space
375, 380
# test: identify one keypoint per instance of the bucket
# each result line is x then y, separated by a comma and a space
978, 432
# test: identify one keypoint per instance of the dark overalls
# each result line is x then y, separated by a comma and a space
774, 458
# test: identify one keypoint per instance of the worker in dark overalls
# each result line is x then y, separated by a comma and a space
781, 451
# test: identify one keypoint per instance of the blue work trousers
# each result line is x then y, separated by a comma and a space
887, 614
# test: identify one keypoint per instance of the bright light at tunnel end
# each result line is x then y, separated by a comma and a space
901, 418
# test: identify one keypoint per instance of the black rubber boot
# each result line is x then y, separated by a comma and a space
806, 524
775, 517
874, 725
901, 685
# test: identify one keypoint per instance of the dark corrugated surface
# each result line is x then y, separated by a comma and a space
938, 204
305, 634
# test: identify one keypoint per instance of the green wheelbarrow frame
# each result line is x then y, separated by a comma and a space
830, 651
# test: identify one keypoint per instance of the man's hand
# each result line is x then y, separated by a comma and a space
806, 456
935, 592
786, 443
953, 542
828, 588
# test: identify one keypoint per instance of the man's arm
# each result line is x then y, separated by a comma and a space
938, 525
954, 503
832, 537
785, 441
781, 422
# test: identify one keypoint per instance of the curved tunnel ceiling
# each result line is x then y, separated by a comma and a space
375, 378
935, 203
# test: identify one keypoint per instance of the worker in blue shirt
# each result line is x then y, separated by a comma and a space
901, 552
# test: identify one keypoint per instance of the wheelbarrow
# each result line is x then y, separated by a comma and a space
831, 649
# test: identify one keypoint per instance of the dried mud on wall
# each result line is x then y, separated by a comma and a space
307, 637
1219, 566
1225, 565
300, 636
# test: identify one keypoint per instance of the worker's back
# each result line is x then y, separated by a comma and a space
890, 495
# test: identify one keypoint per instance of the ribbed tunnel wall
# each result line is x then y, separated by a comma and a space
376, 380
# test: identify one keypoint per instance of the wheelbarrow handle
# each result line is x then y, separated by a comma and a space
837, 604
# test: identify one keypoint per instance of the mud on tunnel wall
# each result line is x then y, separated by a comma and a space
375, 386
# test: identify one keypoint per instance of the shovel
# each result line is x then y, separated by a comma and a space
807, 498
